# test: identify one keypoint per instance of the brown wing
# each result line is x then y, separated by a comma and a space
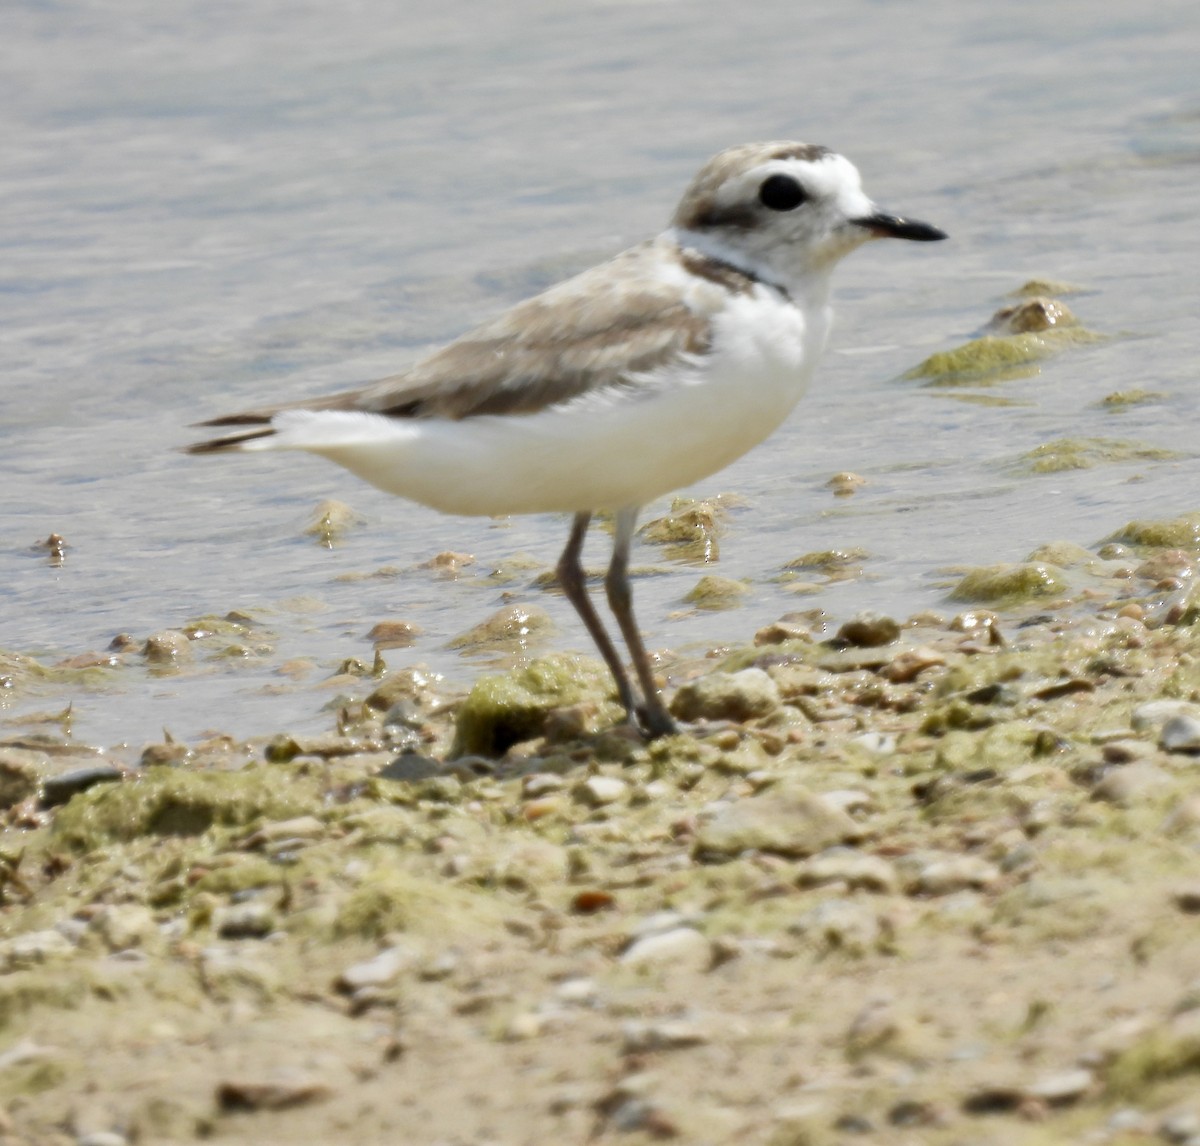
599, 330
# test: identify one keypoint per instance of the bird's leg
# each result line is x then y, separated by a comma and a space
654, 715
574, 584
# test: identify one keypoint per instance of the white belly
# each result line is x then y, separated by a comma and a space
590, 454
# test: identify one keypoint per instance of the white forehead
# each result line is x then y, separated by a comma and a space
729, 183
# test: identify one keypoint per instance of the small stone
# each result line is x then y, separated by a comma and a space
712, 592
786, 819
1180, 1126
875, 743
869, 631
1063, 1088
738, 696
908, 665
955, 873
780, 631
125, 925
167, 647
1128, 785
1187, 899
252, 920
852, 868
669, 1034
513, 627
1181, 734
280, 1094
102, 1138
600, 790
840, 925
1154, 714
394, 634
379, 971
32, 949
538, 784
845, 483
679, 947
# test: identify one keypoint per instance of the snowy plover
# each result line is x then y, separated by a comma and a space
641, 375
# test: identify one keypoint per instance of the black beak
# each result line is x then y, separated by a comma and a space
883, 226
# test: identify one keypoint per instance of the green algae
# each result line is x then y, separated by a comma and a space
166, 801
992, 358
1036, 287
387, 900
690, 532
1181, 532
1010, 584
509, 707
1121, 400
1163, 1053
1087, 453
717, 593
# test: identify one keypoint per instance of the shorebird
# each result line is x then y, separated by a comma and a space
646, 373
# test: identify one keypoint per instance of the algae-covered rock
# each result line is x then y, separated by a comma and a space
716, 593
513, 627
1064, 554
172, 802
690, 531
1087, 453
1010, 584
1181, 532
869, 630
1121, 400
506, 708
387, 900
1032, 314
988, 359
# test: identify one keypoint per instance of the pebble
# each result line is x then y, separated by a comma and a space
278, 1094
601, 790
876, 743
1126, 786
1151, 716
787, 819
1060, 1089
253, 920
840, 925
125, 925
538, 784
955, 873
1180, 1126
167, 646
855, 870
739, 696
32, 949
869, 631
908, 665
1181, 734
668, 1034
102, 1138
379, 971
1187, 899
679, 947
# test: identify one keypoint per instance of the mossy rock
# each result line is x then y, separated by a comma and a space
1181, 532
504, 709
1010, 584
166, 801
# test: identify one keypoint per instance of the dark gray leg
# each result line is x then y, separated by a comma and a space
655, 718
574, 584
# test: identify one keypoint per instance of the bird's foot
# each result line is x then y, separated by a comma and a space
655, 720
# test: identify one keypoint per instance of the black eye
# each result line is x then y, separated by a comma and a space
781, 193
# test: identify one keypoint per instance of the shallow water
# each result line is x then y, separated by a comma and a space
205, 208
